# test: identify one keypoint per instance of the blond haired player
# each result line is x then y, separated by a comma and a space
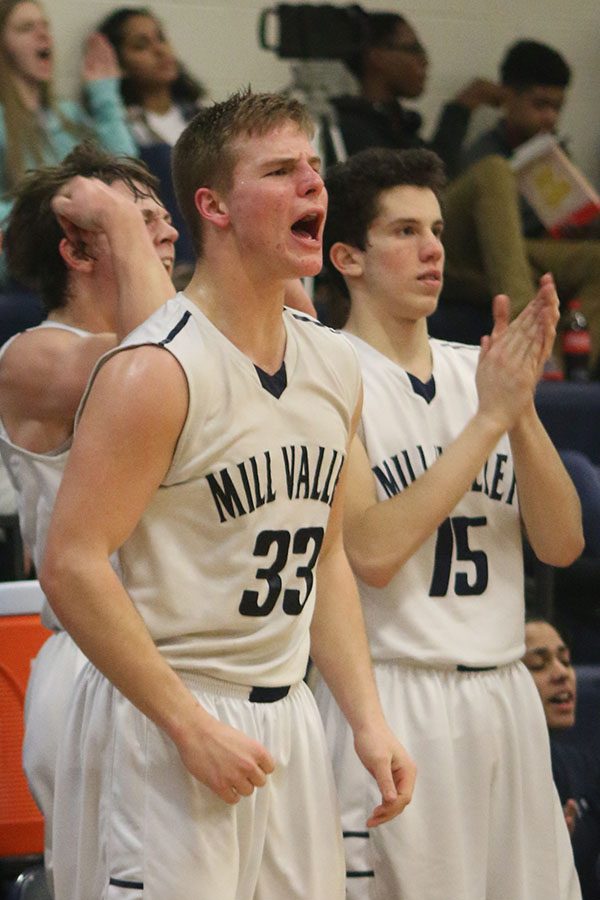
195, 763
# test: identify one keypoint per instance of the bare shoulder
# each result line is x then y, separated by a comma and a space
144, 381
45, 370
36, 348
143, 363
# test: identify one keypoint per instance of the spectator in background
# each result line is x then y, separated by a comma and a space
486, 253
160, 94
484, 249
392, 67
535, 78
161, 97
576, 771
35, 128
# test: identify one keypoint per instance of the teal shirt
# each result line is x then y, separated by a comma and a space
105, 117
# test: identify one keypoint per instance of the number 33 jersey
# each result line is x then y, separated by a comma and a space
222, 564
459, 600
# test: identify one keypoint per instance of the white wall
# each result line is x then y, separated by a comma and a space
218, 41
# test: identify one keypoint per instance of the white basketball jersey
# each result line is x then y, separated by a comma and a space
222, 564
36, 478
460, 598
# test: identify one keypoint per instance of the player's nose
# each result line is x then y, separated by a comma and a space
309, 180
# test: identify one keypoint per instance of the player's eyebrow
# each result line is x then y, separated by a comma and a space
314, 161
412, 221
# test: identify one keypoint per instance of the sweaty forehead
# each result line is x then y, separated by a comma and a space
286, 139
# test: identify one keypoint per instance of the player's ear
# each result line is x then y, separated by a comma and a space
75, 255
348, 260
212, 206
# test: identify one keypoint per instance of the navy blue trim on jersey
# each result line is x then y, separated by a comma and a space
354, 873
304, 317
175, 331
275, 384
425, 389
134, 885
268, 694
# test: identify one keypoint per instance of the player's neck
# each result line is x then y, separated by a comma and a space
404, 341
249, 315
82, 311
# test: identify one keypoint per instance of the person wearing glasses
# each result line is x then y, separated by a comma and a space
392, 66
576, 770
486, 252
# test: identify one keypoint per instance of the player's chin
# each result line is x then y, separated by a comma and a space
306, 257
309, 265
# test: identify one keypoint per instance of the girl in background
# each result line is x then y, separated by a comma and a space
160, 94
35, 128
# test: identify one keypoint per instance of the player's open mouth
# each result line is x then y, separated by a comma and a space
308, 227
45, 53
433, 276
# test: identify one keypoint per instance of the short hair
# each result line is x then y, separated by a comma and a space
355, 188
204, 154
529, 63
377, 31
33, 233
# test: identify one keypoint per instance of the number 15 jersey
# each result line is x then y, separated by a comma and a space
459, 600
222, 564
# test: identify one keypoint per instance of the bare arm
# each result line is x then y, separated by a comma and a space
42, 377
340, 651
128, 446
381, 536
548, 501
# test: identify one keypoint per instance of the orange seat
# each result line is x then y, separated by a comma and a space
21, 636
